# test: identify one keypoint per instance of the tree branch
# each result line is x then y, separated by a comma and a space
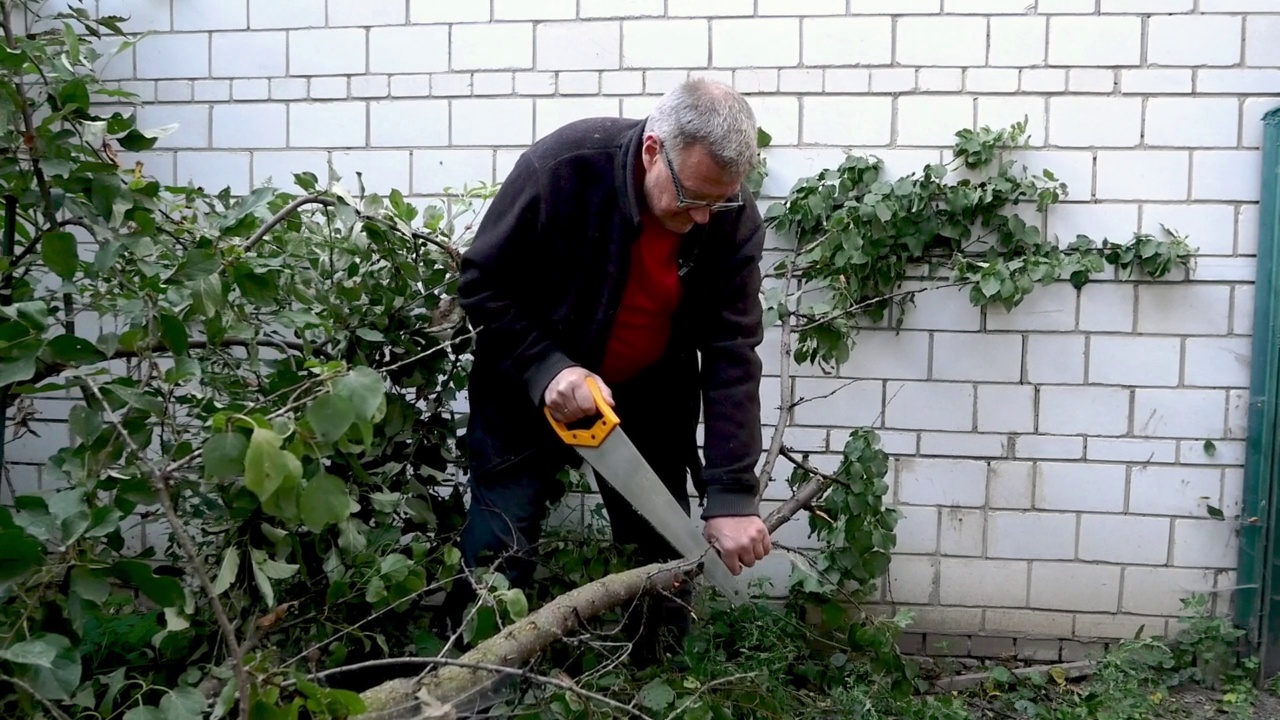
853, 309
283, 215
48, 705
784, 392
520, 642
160, 479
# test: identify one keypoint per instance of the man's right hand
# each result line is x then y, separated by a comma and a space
570, 398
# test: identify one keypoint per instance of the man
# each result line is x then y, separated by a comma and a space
624, 251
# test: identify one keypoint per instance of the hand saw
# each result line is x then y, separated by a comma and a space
613, 456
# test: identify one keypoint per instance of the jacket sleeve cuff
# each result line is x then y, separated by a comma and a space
541, 375
723, 502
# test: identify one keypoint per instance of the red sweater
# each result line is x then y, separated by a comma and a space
642, 327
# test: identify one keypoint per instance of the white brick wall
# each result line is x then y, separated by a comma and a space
1049, 461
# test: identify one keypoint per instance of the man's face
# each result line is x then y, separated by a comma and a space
699, 187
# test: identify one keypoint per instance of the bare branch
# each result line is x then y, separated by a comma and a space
784, 393
53, 709
853, 309
283, 215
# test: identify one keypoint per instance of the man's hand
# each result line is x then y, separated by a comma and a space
740, 540
569, 397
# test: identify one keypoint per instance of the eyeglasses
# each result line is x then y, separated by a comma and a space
683, 202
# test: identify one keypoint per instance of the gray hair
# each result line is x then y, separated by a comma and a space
707, 113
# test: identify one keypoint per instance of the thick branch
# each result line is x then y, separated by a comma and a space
28, 123
520, 642
784, 392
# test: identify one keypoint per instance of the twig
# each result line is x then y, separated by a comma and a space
28, 123
814, 322
283, 215
823, 396
160, 480
784, 394
791, 456
53, 709
718, 681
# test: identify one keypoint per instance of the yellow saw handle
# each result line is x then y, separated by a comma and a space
594, 435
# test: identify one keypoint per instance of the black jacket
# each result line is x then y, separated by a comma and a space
541, 283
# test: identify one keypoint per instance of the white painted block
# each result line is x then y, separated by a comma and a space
755, 42
1055, 359
1147, 6
1192, 414
209, 14
1131, 450
893, 80
933, 121
286, 14
1086, 410
365, 13
953, 445
1031, 535
1048, 307
929, 406
328, 88
1237, 413
991, 80
952, 483
1152, 81
1107, 307
1193, 40
1210, 228
409, 123
827, 402
779, 115
983, 583
277, 167
940, 309
977, 357
658, 82
1254, 81
801, 7
757, 80
1247, 229
250, 125
1079, 121
847, 121
1218, 362
1073, 167
1075, 586
584, 82
492, 122
622, 82
1005, 110
410, 85
1044, 80
1028, 623
1113, 221
1143, 174
250, 89
961, 532
551, 114
1117, 627
463, 11
140, 16
953, 41
1095, 41
1123, 538
1262, 41
1192, 122
885, 354
848, 41
895, 7
192, 121
370, 86
1134, 361
213, 171
912, 579
451, 84
1006, 408
212, 90
327, 52
1226, 175
1160, 591
377, 171
1205, 544
1048, 447
1174, 491
1079, 486
619, 8
1184, 309
985, 7
173, 56
173, 91
594, 45
706, 8
1092, 80
1209, 6
425, 48
248, 54
340, 124
665, 44
1254, 109
497, 46
1010, 485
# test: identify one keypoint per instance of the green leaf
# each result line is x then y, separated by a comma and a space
89, 584
330, 415
1210, 449
40, 652
270, 568
137, 398
104, 190
324, 502
174, 333
59, 253
206, 295
228, 571
394, 567
1215, 513
224, 455
182, 703
17, 370
266, 466
74, 351
164, 591
60, 678
197, 265
249, 204
657, 695
364, 388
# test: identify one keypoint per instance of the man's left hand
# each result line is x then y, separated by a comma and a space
740, 540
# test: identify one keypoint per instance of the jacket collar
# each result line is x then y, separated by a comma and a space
625, 170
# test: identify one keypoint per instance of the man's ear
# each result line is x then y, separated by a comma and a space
650, 149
